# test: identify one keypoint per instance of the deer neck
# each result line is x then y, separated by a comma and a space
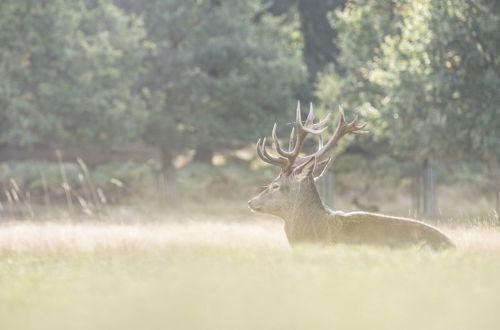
307, 205
307, 220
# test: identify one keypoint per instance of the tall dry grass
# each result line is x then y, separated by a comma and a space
46, 236
223, 274
188, 231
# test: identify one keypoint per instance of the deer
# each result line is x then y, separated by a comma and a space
293, 196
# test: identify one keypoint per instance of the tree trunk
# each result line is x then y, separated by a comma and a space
417, 193
429, 186
203, 154
424, 190
320, 47
168, 188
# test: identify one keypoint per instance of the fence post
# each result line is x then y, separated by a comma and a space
424, 189
430, 191
416, 193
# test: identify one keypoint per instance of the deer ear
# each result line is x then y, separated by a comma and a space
305, 170
321, 168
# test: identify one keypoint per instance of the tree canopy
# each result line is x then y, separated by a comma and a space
66, 72
220, 76
426, 71
194, 77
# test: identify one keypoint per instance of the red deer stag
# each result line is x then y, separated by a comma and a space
293, 196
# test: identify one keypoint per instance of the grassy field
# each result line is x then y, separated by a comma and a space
212, 274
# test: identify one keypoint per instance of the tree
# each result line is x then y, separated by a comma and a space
465, 48
66, 71
362, 28
429, 73
320, 46
218, 74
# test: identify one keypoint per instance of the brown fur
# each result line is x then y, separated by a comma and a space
293, 196
307, 220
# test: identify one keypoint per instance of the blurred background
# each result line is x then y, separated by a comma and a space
159, 103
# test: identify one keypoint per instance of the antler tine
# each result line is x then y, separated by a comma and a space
301, 134
287, 160
277, 145
322, 122
276, 160
342, 114
310, 116
352, 127
308, 126
260, 154
343, 129
357, 129
295, 145
298, 116
266, 157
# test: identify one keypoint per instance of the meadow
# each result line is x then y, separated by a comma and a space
128, 135
237, 272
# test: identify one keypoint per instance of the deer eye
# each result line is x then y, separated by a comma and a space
275, 186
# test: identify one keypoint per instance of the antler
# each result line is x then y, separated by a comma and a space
288, 160
343, 128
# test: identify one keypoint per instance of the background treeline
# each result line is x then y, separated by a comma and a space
104, 100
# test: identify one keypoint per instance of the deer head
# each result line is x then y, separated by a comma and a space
294, 187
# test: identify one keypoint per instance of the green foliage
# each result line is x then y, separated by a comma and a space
66, 71
202, 182
319, 44
221, 75
425, 73
198, 181
211, 75
30, 176
465, 50
38, 178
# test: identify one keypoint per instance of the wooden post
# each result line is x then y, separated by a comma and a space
424, 192
416, 193
429, 188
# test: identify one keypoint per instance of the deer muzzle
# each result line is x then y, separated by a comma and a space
252, 204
